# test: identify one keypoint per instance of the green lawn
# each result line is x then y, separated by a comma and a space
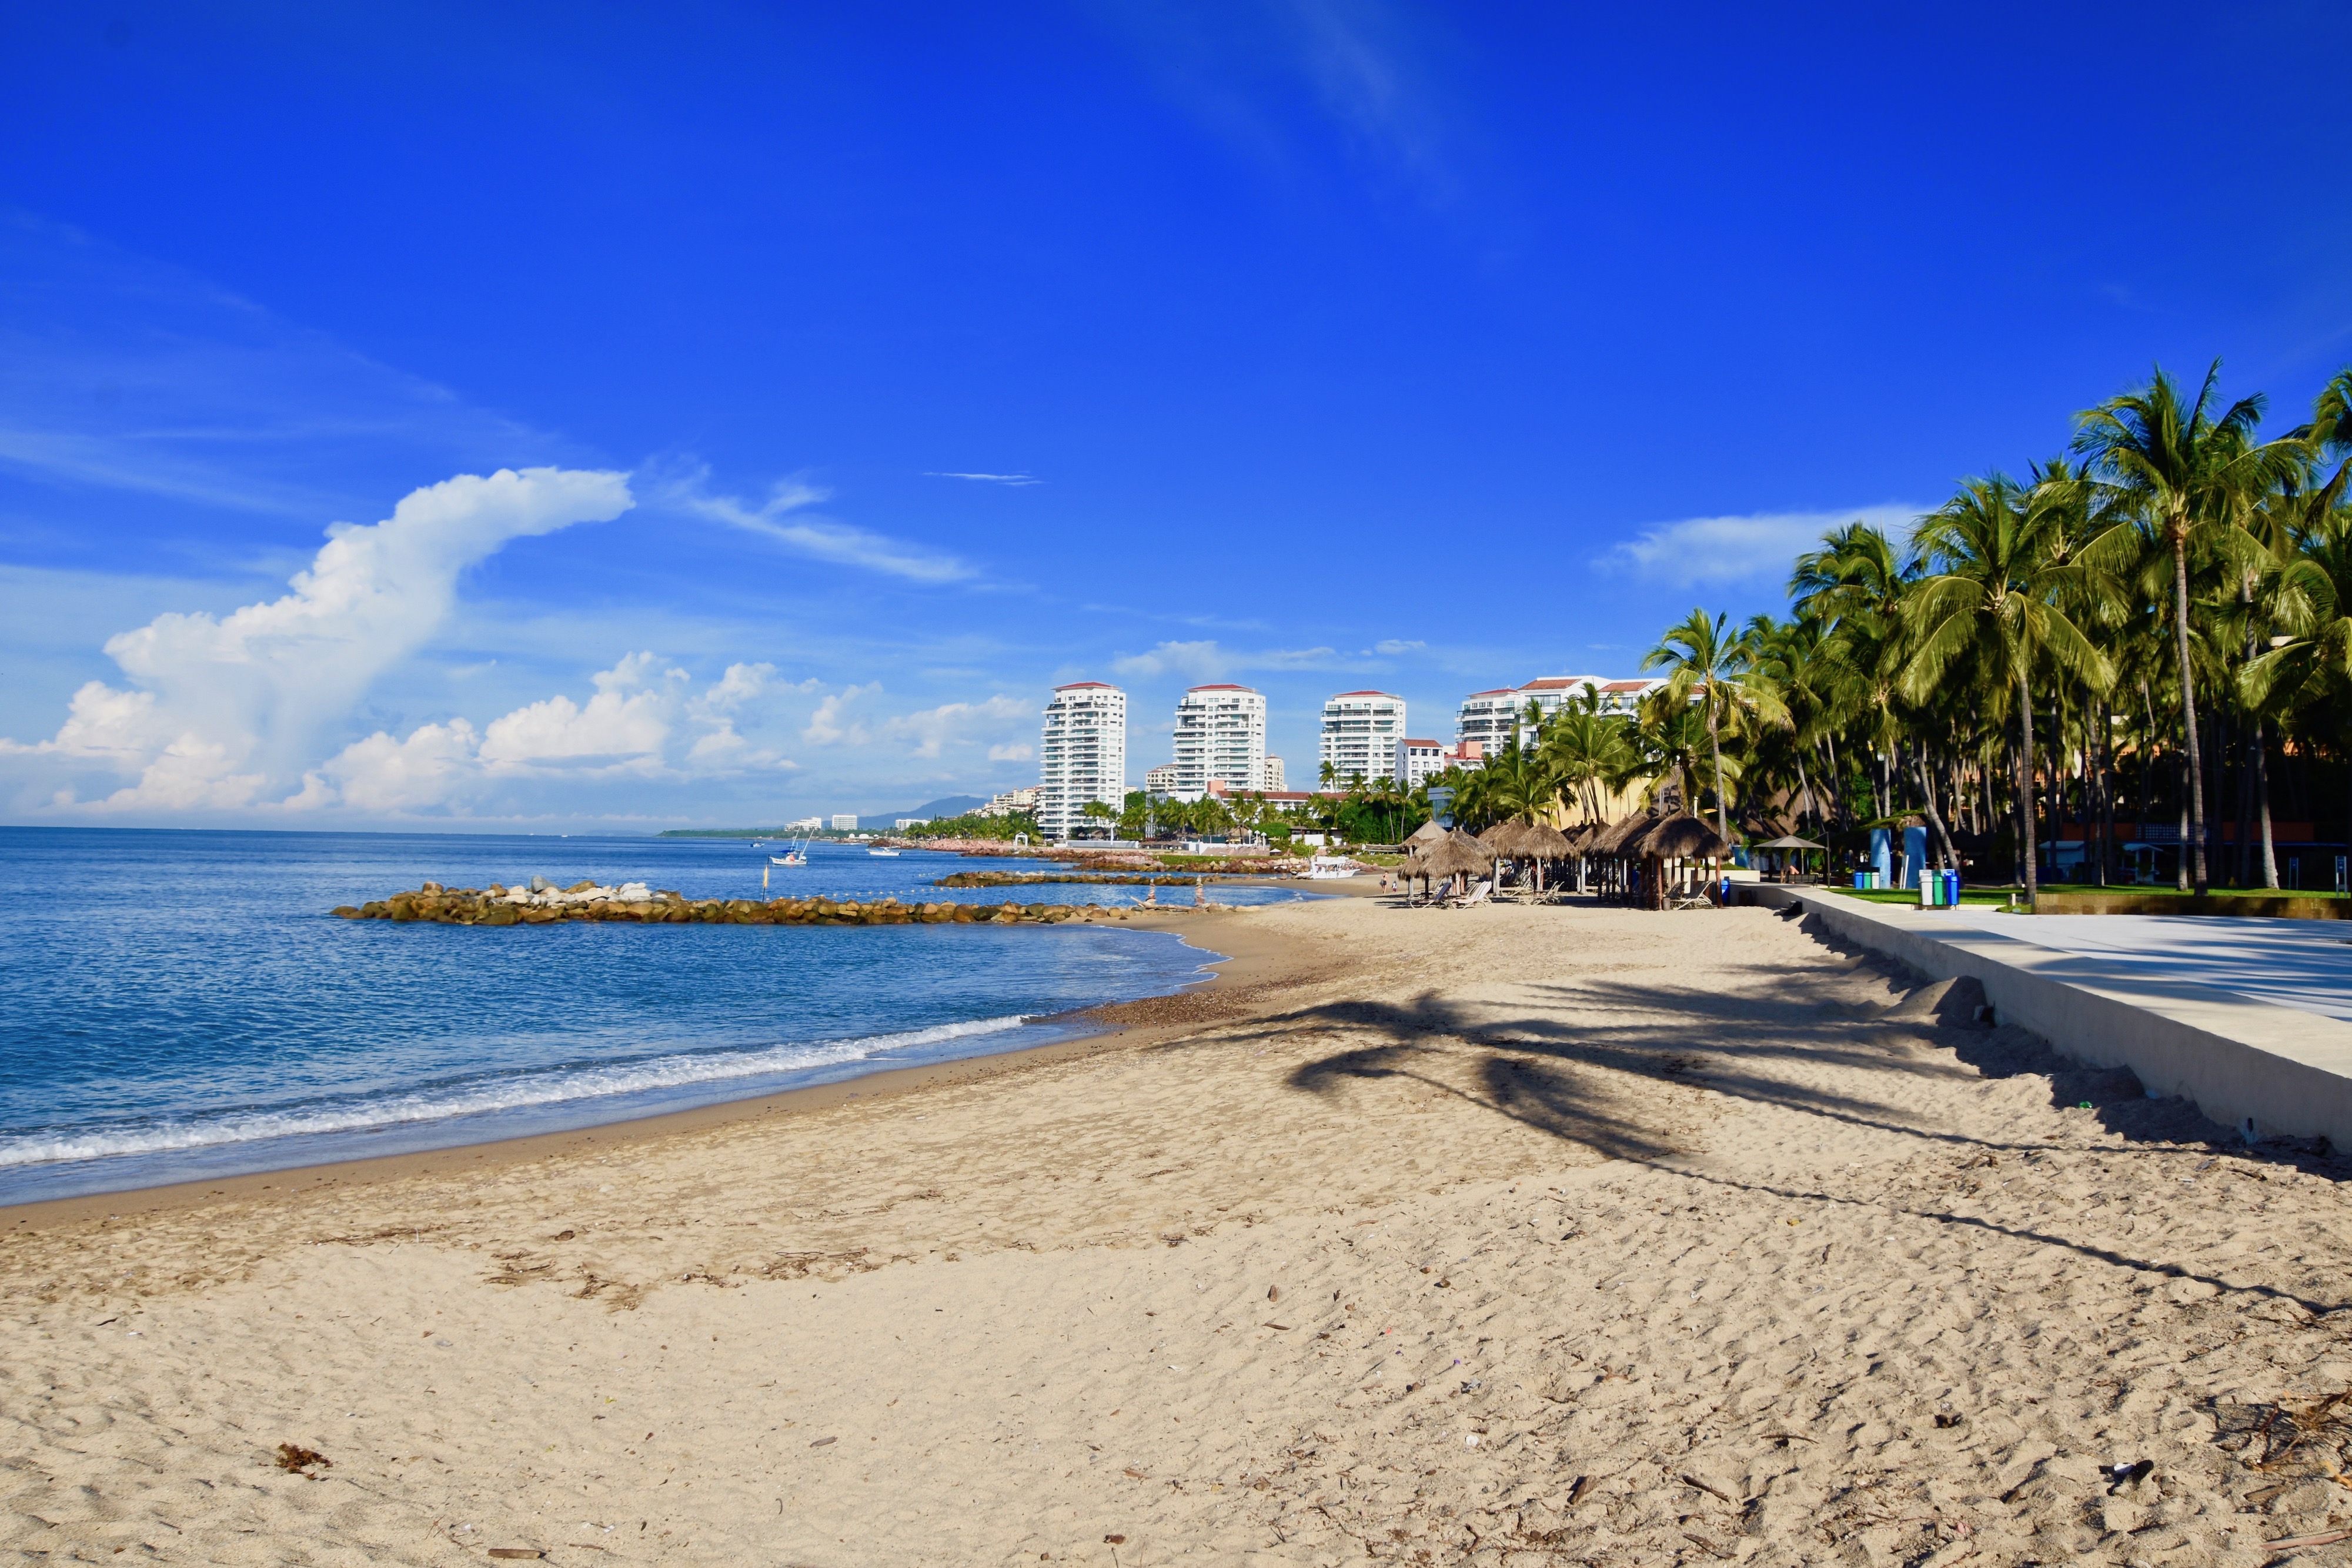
1908, 895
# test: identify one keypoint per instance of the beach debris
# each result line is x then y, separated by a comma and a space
2325, 1538
518, 1553
1711, 1492
1115, 1540
1274, 1292
1279, 1328
1576, 1492
301, 1461
821, 1442
1949, 1418
2128, 1474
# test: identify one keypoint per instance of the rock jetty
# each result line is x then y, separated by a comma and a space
542, 904
1031, 879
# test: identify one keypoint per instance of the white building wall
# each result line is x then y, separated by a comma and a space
1082, 755
1360, 731
1274, 775
1220, 739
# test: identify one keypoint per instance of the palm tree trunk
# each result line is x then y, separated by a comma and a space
1715, 745
2028, 848
2263, 805
1927, 779
2106, 792
2188, 699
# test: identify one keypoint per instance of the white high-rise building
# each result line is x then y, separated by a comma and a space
1083, 756
1494, 717
1273, 783
1220, 739
1361, 730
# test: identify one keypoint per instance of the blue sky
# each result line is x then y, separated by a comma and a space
879, 368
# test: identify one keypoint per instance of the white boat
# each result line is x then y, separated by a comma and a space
794, 859
881, 851
1332, 868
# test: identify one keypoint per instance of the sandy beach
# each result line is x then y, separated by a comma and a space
1504, 1235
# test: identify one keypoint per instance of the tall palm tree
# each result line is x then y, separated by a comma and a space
1996, 596
2193, 471
1706, 659
1588, 751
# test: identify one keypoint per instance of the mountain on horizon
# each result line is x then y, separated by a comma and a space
946, 806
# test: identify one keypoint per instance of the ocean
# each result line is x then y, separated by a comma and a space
179, 1004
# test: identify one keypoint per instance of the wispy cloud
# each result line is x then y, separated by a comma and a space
121, 372
1757, 547
1013, 479
781, 518
1389, 647
1208, 660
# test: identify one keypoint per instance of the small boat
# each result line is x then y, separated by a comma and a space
793, 858
1332, 868
881, 851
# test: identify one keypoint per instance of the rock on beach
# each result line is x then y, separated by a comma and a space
634, 902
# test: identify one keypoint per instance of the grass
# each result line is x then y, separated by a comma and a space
1910, 897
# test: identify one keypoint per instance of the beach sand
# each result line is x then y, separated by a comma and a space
1504, 1235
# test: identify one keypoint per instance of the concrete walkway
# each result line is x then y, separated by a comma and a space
2250, 1019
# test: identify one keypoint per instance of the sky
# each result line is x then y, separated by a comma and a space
624, 417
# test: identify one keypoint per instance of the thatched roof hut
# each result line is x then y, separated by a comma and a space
1615, 839
1505, 838
1456, 855
1680, 837
1544, 842
1429, 833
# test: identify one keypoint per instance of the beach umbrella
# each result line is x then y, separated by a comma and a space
1429, 833
1789, 841
1546, 842
1612, 841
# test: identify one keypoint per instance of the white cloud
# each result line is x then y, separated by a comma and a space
1209, 660
812, 536
959, 723
1017, 751
630, 727
1707, 550
1013, 479
830, 724
221, 710
626, 723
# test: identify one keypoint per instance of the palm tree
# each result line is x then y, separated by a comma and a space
1707, 659
1997, 598
1588, 752
2192, 472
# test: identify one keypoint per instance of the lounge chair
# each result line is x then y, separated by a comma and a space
1474, 897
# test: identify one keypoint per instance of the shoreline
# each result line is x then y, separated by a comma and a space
1246, 959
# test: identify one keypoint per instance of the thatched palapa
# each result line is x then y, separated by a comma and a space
1680, 837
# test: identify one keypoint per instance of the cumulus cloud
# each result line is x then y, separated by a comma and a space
935, 728
779, 517
832, 723
220, 711
1700, 551
1015, 751
632, 725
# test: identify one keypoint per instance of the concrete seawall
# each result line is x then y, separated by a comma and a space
2272, 1071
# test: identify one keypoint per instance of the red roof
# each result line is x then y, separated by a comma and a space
1082, 685
1497, 692
1227, 687
1432, 743
1336, 697
1624, 685
1550, 683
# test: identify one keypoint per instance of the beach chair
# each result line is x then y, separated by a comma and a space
1474, 897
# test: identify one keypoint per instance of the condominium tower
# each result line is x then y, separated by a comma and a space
1220, 739
1361, 730
1083, 756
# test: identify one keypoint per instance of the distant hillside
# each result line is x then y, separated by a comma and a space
946, 806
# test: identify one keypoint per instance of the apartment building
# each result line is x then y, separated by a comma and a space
1161, 781
1220, 739
1493, 717
1361, 730
1082, 755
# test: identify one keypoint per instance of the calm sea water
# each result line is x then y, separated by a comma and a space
180, 1005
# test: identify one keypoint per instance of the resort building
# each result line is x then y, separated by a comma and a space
1012, 804
1360, 731
1419, 761
1273, 779
1161, 781
1083, 755
1220, 739
845, 821
805, 825
1492, 717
